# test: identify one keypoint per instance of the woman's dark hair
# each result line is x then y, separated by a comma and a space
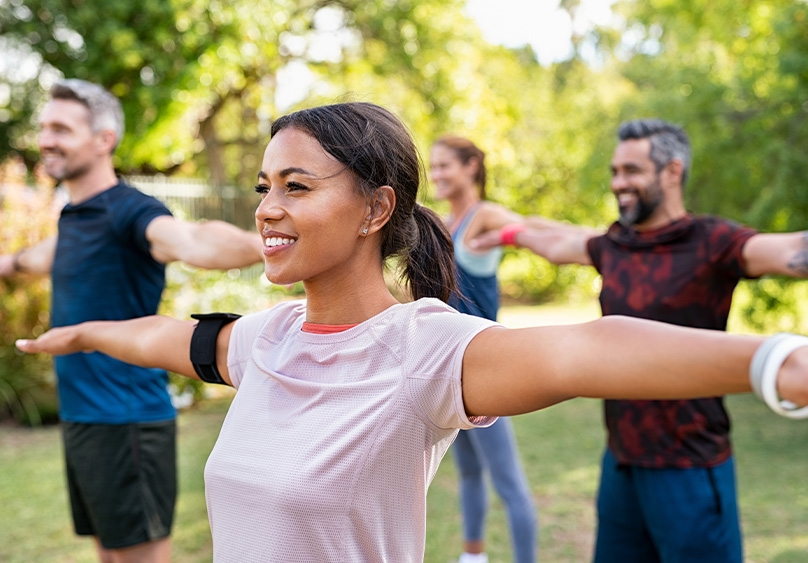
376, 146
465, 151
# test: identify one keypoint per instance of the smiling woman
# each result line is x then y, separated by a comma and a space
348, 401
311, 207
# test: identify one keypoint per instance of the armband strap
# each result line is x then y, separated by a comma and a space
203, 345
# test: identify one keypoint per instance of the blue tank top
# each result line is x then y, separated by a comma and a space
103, 270
476, 275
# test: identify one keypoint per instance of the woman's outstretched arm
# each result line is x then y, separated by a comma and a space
154, 341
511, 371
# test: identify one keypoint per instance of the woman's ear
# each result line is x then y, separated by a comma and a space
380, 209
473, 165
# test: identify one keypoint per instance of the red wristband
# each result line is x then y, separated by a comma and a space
507, 234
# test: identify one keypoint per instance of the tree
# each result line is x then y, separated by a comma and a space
735, 75
199, 81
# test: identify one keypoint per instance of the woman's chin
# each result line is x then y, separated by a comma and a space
277, 278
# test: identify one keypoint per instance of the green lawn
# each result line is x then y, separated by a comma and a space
560, 446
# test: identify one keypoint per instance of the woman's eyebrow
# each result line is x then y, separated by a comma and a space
286, 172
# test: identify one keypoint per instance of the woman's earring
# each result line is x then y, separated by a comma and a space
365, 231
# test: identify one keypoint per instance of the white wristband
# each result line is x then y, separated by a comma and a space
765, 366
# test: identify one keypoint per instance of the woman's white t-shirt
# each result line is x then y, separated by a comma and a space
332, 439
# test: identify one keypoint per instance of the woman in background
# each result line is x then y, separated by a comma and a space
457, 168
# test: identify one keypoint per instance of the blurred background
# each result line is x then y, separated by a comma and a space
540, 85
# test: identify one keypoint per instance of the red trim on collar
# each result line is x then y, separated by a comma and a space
315, 328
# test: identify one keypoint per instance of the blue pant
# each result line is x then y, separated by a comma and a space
667, 515
494, 449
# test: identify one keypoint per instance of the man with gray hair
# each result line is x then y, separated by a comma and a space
667, 487
107, 262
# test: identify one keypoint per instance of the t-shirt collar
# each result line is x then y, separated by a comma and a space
632, 238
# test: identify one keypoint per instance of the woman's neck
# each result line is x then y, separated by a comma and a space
460, 205
347, 301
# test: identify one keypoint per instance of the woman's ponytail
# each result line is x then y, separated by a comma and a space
429, 269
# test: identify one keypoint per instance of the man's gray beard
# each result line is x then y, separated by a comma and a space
642, 210
70, 173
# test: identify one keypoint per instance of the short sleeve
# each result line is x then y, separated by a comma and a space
726, 240
282, 318
245, 331
437, 341
134, 214
594, 248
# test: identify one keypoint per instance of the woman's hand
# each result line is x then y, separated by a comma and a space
57, 341
153, 342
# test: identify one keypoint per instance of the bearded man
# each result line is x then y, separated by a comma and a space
667, 488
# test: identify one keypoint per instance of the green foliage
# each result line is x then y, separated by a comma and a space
771, 305
201, 83
733, 74
528, 278
199, 80
27, 383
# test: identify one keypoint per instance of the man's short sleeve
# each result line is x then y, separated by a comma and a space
726, 241
594, 247
134, 212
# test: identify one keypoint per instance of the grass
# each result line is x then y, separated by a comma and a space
560, 447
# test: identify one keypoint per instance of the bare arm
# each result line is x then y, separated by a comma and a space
214, 245
565, 244
159, 342
611, 358
490, 217
538, 222
559, 245
36, 260
777, 253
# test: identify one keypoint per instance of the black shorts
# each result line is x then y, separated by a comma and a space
122, 480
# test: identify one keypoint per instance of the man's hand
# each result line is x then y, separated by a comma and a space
486, 240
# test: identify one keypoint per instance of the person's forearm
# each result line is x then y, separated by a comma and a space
221, 246
539, 222
622, 357
612, 357
155, 341
558, 246
34, 260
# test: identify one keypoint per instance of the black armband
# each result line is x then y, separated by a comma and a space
203, 345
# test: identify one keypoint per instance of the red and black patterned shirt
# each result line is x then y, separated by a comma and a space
683, 274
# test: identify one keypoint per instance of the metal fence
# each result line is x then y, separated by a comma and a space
194, 200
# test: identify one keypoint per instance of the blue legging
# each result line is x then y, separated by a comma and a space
494, 449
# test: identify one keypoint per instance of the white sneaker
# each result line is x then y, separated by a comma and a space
473, 558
